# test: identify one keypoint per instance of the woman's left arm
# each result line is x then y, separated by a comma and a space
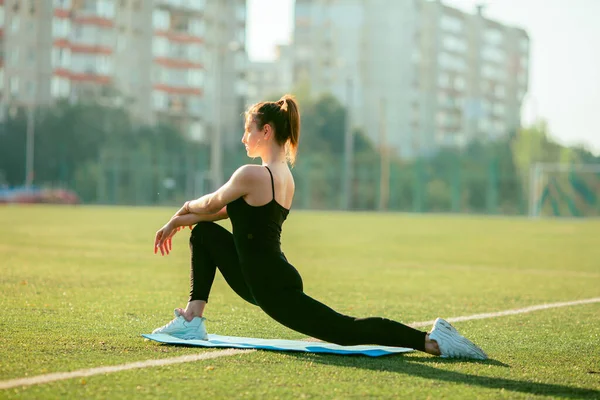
238, 185
207, 206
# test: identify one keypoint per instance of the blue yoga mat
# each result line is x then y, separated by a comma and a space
280, 345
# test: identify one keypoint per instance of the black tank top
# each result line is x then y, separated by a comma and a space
257, 229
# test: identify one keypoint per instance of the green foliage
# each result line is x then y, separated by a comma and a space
98, 152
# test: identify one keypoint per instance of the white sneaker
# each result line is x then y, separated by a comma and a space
182, 329
452, 344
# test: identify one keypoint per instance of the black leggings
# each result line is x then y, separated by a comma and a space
275, 286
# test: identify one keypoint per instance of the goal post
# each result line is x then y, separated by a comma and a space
564, 190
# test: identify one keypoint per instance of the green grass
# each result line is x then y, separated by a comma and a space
78, 285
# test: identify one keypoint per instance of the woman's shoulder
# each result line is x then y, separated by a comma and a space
248, 172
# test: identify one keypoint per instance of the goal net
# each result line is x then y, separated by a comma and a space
564, 190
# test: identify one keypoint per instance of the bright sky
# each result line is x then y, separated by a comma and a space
564, 66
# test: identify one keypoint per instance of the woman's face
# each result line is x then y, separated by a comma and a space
253, 139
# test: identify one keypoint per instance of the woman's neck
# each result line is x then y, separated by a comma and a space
275, 155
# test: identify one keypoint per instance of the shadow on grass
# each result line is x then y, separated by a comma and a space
415, 366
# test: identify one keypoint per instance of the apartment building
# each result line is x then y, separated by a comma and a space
417, 75
472, 77
181, 61
26, 48
267, 79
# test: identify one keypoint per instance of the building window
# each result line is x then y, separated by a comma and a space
500, 91
77, 32
443, 80
524, 45
160, 20
13, 57
459, 83
442, 98
14, 85
55, 87
196, 27
64, 4
241, 37
451, 24
177, 77
160, 100
195, 52
194, 104
15, 23
60, 87
160, 46
452, 62
493, 54
104, 65
158, 74
492, 73
29, 88
484, 125
196, 132
452, 43
441, 119
121, 43
500, 128
499, 109
60, 27
240, 13
241, 87
61, 57
493, 36
178, 51
486, 108
197, 5
195, 77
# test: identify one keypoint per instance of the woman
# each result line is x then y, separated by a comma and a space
257, 199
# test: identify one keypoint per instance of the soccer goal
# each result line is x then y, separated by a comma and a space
564, 190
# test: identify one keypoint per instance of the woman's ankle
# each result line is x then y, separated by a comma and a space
431, 346
194, 309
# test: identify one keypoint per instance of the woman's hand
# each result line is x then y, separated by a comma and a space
163, 238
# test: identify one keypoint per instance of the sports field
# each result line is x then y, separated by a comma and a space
78, 285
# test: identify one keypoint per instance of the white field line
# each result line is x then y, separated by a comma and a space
59, 376
35, 380
511, 312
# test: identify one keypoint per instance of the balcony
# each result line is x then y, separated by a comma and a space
183, 90
89, 77
180, 37
177, 63
94, 13
82, 48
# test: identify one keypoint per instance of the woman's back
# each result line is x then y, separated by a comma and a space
263, 187
257, 217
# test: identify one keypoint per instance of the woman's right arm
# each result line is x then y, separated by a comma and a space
193, 219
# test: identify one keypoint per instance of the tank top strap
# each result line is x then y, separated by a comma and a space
272, 182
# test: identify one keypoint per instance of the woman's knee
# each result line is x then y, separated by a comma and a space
202, 230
